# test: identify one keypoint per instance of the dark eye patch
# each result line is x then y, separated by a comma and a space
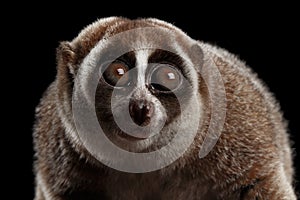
162, 56
129, 59
116, 72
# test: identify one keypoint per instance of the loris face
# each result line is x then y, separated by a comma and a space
140, 90
146, 87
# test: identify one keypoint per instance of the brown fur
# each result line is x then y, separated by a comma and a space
252, 159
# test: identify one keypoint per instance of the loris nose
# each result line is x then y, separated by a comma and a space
141, 111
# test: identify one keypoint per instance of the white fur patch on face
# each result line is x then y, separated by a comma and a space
141, 65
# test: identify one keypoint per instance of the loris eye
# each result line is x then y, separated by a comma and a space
165, 78
116, 74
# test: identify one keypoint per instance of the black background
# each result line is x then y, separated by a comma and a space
263, 36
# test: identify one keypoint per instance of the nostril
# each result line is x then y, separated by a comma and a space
141, 111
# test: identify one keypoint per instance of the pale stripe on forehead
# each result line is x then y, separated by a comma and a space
142, 57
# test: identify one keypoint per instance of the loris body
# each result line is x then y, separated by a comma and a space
251, 159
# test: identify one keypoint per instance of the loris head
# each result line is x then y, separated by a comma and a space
135, 81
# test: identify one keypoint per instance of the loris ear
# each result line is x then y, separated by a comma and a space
197, 56
193, 50
66, 57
